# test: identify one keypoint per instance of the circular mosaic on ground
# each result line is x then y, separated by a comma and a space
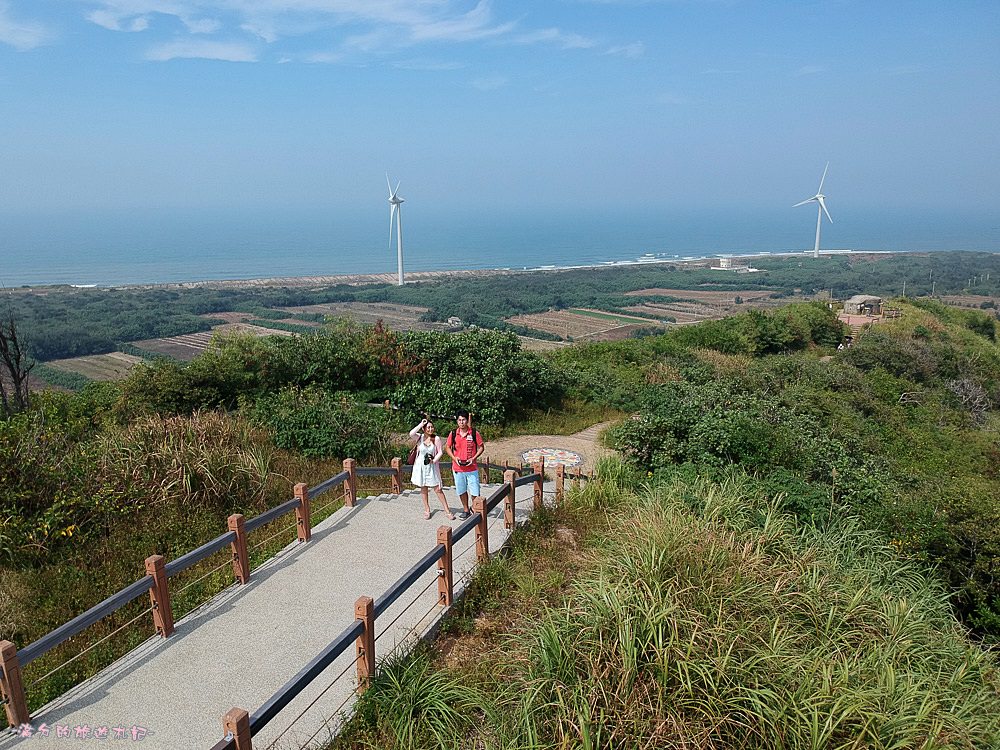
552, 456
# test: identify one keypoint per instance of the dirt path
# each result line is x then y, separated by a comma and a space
585, 443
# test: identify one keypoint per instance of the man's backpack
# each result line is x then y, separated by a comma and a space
453, 436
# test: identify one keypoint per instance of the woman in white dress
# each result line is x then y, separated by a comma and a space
427, 468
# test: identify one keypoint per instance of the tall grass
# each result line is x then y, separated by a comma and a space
704, 617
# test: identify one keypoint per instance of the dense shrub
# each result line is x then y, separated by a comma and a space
318, 424
483, 371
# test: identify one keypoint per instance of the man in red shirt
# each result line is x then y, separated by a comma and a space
464, 445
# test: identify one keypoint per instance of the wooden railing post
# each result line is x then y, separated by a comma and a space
484, 471
446, 574
350, 484
397, 477
241, 561
236, 723
560, 483
509, 477
364, 610
12, 686
482, 531
539, 469
303, 514
159, 595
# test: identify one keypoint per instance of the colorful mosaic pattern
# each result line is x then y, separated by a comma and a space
552, 456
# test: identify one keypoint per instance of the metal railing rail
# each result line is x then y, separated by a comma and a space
529, 479
80, 622
328, 484
260, 718
195, 556
375, 471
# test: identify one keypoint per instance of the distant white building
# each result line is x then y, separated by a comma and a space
863, 304
455, 322
737, 265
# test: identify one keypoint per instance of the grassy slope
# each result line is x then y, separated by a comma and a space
691, 615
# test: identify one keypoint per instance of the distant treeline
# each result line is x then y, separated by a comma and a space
62, 322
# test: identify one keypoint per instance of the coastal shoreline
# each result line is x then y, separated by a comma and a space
362, 279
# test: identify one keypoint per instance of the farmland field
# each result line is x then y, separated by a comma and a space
113, 366
583, 325
190, 345
692, 306
397, 317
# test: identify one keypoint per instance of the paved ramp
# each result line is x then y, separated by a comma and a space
239, 648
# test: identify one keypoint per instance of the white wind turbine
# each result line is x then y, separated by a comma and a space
396, 212
820, 201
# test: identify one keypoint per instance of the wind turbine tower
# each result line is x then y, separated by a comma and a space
820, 201
396, 212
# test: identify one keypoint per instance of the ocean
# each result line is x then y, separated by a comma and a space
131, 247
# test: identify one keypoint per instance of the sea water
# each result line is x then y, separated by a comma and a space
144, 247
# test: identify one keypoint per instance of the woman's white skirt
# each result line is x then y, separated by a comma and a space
426, 475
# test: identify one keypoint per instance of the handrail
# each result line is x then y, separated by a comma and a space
465, 527
66, 631
498, 494
329, 484
527, 480
375, 471
267, 516
260, 718
195, 556
408, 579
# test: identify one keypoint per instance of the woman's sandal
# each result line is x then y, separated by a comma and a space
451, 516
427, 515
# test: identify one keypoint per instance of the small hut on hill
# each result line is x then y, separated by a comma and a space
863, 304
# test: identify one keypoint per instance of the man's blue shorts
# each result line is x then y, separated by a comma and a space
467, 481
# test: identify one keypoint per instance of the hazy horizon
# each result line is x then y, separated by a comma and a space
169, 246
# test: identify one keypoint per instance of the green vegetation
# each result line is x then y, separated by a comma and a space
60, 322
690, 613
71, 381
792, 554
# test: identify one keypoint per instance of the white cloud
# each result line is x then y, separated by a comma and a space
476, 24
202, 25
428, 65
22, 35
489, 83
367, 26
202, 49
324, 57
810, 70
632, 51
114, 21
562, 39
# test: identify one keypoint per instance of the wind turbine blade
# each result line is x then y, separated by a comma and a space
807, 200
822, 204
823, 178
392, 215
388, 184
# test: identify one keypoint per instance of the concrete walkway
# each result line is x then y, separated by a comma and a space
239, 648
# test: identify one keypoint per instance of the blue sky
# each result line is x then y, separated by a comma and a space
300, 105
